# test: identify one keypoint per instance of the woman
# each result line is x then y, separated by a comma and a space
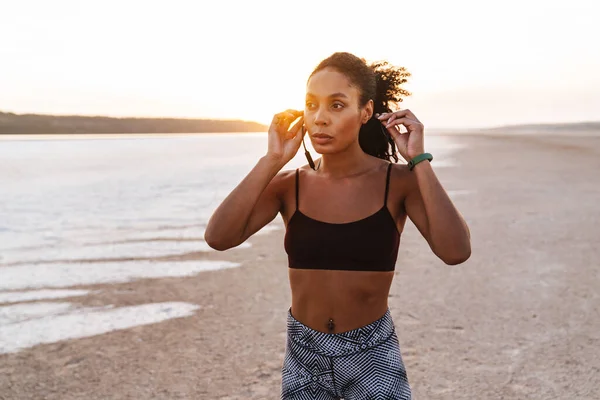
344, 215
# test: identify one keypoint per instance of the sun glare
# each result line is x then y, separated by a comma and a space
206, 61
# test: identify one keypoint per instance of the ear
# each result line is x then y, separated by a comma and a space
367, 112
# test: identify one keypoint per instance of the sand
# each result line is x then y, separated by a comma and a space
518, 320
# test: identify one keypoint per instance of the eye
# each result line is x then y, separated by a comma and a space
337, 105
309, 104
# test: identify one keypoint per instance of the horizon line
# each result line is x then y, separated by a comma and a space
506, 125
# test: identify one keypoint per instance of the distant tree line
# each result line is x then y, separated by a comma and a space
552, 127
46, 124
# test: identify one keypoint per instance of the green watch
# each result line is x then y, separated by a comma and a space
418, 159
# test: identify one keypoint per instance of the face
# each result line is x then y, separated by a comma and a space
332, 114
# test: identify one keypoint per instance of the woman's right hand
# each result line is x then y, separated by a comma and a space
283, 141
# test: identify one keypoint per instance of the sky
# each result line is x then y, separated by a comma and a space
473, 63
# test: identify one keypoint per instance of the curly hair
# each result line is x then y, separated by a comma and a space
378, 81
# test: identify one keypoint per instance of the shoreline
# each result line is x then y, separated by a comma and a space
99, 136
459, 133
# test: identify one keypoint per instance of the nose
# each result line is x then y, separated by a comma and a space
321, 118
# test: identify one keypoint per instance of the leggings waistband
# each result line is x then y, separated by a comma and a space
344, 343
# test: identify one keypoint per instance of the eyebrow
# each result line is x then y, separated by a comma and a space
338, 94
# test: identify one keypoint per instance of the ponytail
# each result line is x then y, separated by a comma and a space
373, 136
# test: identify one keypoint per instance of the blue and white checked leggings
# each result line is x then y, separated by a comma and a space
360, 364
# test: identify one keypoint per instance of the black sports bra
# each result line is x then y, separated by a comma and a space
369, 244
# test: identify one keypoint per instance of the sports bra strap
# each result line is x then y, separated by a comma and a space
387, 184
297, 188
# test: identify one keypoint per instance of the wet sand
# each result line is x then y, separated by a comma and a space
518, 320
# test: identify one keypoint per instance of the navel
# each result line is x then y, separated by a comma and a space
330, 325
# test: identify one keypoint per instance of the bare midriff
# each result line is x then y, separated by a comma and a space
335, 301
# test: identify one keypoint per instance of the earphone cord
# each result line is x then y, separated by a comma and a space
308, 157
306, 153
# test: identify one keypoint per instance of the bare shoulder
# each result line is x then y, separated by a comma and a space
400, 173
285, 185
284, 175
283, 181
402, 181
288, 176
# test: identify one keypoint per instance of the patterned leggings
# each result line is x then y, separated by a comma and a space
361, 364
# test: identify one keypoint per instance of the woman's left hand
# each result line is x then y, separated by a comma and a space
411, 143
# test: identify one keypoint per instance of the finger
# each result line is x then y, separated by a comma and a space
289, 115
292, 115
297, 113
391, 123
406, 113
293, 131
399, 113
407, 122
283, 123
300, 133
390, 120
295, 121
387, 118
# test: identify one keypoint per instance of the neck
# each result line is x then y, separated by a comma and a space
352, 161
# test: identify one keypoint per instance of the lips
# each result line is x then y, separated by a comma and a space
321, 139
322, 136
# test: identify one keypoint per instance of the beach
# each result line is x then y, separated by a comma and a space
518, 320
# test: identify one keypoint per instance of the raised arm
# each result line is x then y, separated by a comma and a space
256, 200
427, 203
